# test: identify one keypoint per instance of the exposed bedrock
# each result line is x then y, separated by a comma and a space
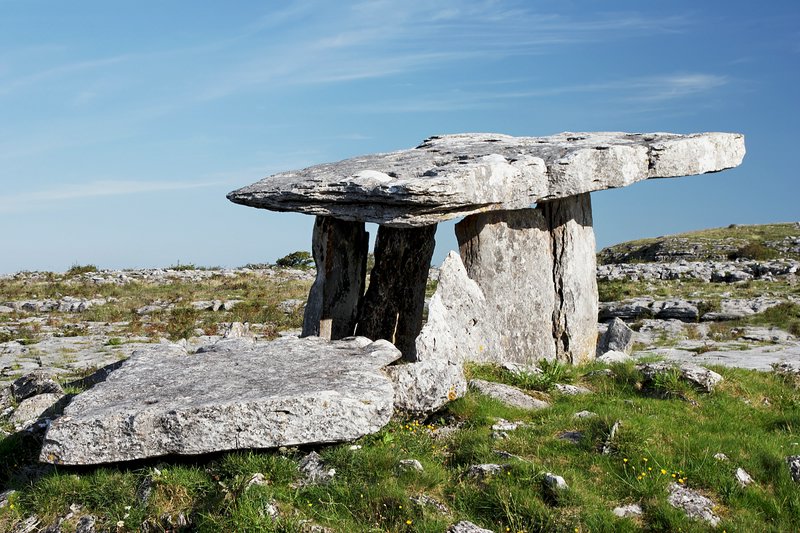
393, 305
524, 291
340, 251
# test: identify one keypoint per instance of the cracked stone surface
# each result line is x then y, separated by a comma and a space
452, 176
234, 394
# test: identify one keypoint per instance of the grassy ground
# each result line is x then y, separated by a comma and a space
746, 241
673, 434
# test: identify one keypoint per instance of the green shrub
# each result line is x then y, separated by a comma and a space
77, 270
296, 260
755, 251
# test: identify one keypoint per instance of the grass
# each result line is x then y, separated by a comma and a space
678, 433
736, 241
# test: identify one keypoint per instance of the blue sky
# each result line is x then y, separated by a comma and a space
123, 124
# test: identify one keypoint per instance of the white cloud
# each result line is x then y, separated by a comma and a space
30, 200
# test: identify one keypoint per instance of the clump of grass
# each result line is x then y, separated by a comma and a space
77, 270
755, 251
785, 316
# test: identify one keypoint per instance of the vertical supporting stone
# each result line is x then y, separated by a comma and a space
574, 277
509, 255
340, 251
392, 307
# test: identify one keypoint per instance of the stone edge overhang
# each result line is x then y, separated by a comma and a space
369, 189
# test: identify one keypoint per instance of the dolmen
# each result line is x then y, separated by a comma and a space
521, 289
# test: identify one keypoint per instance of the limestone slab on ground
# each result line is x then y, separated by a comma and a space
451, 176
234, 394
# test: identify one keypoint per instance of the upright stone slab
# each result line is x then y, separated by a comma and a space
526, 289
574, 276
392, 307
509, 254
340, 251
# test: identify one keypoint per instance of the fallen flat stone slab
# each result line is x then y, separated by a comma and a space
507, 394
234, 394
451, 176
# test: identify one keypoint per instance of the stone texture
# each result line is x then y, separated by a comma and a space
694, 504
574, 274
571, 390
455, 175
614, 357
633, 509
31, 409
410, 464
340, 253
507, 394
555, 483
392, 307
618, 338
314, 470
509, 255
480, 313
793, 462
467, 527
426, 386
234, 394
742, 477
482, 471
36, 382
699, 376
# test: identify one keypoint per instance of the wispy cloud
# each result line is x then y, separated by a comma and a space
646, 90
31, 200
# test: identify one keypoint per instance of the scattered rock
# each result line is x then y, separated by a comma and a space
37, 382
291, 306
34, 408
584, 414
231, 395
410, 464
697, 375
625, 511
314, 471
721, 457
86, 524
793, 462
423, 500
507, 394
29, 525
618, 338
426, 386
608, 445
257, 479
694, 504
480, 472
787, 368
743, 477
571, 390
5, 496
555, 483
571, 436
237, 330
519, 368
501, 428
467, 527
614, 357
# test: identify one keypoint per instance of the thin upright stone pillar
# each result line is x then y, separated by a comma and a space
393, 305
340, 251
574, 276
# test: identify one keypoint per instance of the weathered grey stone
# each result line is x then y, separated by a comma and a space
466, 526
423, 500
699, 376
571, 390
633, 509
694, 504
742, 477
678, 309
37, 382
235, 394
520, 369
455, 175
793, 462
571, 436
86, 524
555, 483
392, 307
608, 445
481, 472
340, 251
314, 470
574, 275
507, 394
503, 252
501, 428
410, 464
426, 386
613, 357
618, 338
5, 497
721, 457
31, 409
585, 414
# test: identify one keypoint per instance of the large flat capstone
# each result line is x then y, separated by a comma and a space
234, 394
451, 176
